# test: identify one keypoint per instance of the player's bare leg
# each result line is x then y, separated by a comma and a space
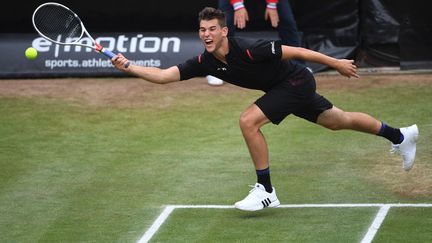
263, 194
251, 120
337, 119
403, 140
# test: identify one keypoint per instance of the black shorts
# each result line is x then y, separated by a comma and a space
296, 97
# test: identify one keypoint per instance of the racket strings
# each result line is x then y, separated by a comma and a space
57, 22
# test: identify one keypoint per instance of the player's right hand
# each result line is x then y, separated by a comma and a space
120, 62
240, 18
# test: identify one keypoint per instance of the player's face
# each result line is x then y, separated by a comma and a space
212, 34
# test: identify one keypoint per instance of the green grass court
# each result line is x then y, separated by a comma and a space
98, 160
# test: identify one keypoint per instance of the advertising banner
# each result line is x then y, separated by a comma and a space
146, 49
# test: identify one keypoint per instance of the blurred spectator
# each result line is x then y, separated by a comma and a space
278, 12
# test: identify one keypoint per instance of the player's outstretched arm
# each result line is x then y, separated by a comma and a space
345, 67
151, 74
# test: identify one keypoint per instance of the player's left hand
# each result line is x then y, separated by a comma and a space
347, 68
273, 15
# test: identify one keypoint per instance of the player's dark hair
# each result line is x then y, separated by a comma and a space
209, 13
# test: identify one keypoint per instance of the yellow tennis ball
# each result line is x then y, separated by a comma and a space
31, 53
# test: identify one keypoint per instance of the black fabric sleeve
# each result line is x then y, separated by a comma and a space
191, 68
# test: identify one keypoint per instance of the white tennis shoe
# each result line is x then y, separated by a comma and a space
258, 199
212, 80
408, 146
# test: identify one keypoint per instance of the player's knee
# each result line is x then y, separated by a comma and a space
246, 122
335, 120
334, 126
343, 122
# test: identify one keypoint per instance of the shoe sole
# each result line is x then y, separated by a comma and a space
272, 205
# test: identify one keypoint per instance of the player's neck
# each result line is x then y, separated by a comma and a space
222, 51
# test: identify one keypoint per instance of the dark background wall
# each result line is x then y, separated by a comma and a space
114, 16
177, 15
373, 32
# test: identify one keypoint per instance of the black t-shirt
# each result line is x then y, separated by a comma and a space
253, 64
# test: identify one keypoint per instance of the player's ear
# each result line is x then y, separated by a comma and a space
225, 31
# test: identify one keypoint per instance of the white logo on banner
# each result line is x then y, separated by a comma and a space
120, 44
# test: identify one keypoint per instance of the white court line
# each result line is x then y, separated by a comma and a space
156, 224
373, 229
376, 224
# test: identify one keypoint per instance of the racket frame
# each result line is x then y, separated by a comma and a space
96, 46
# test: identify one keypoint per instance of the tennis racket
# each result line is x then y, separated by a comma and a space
58, 24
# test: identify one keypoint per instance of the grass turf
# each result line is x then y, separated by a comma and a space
72, 171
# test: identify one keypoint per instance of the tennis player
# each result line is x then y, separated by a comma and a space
289, 88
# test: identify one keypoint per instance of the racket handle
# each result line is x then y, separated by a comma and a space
111, 55
107, 53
